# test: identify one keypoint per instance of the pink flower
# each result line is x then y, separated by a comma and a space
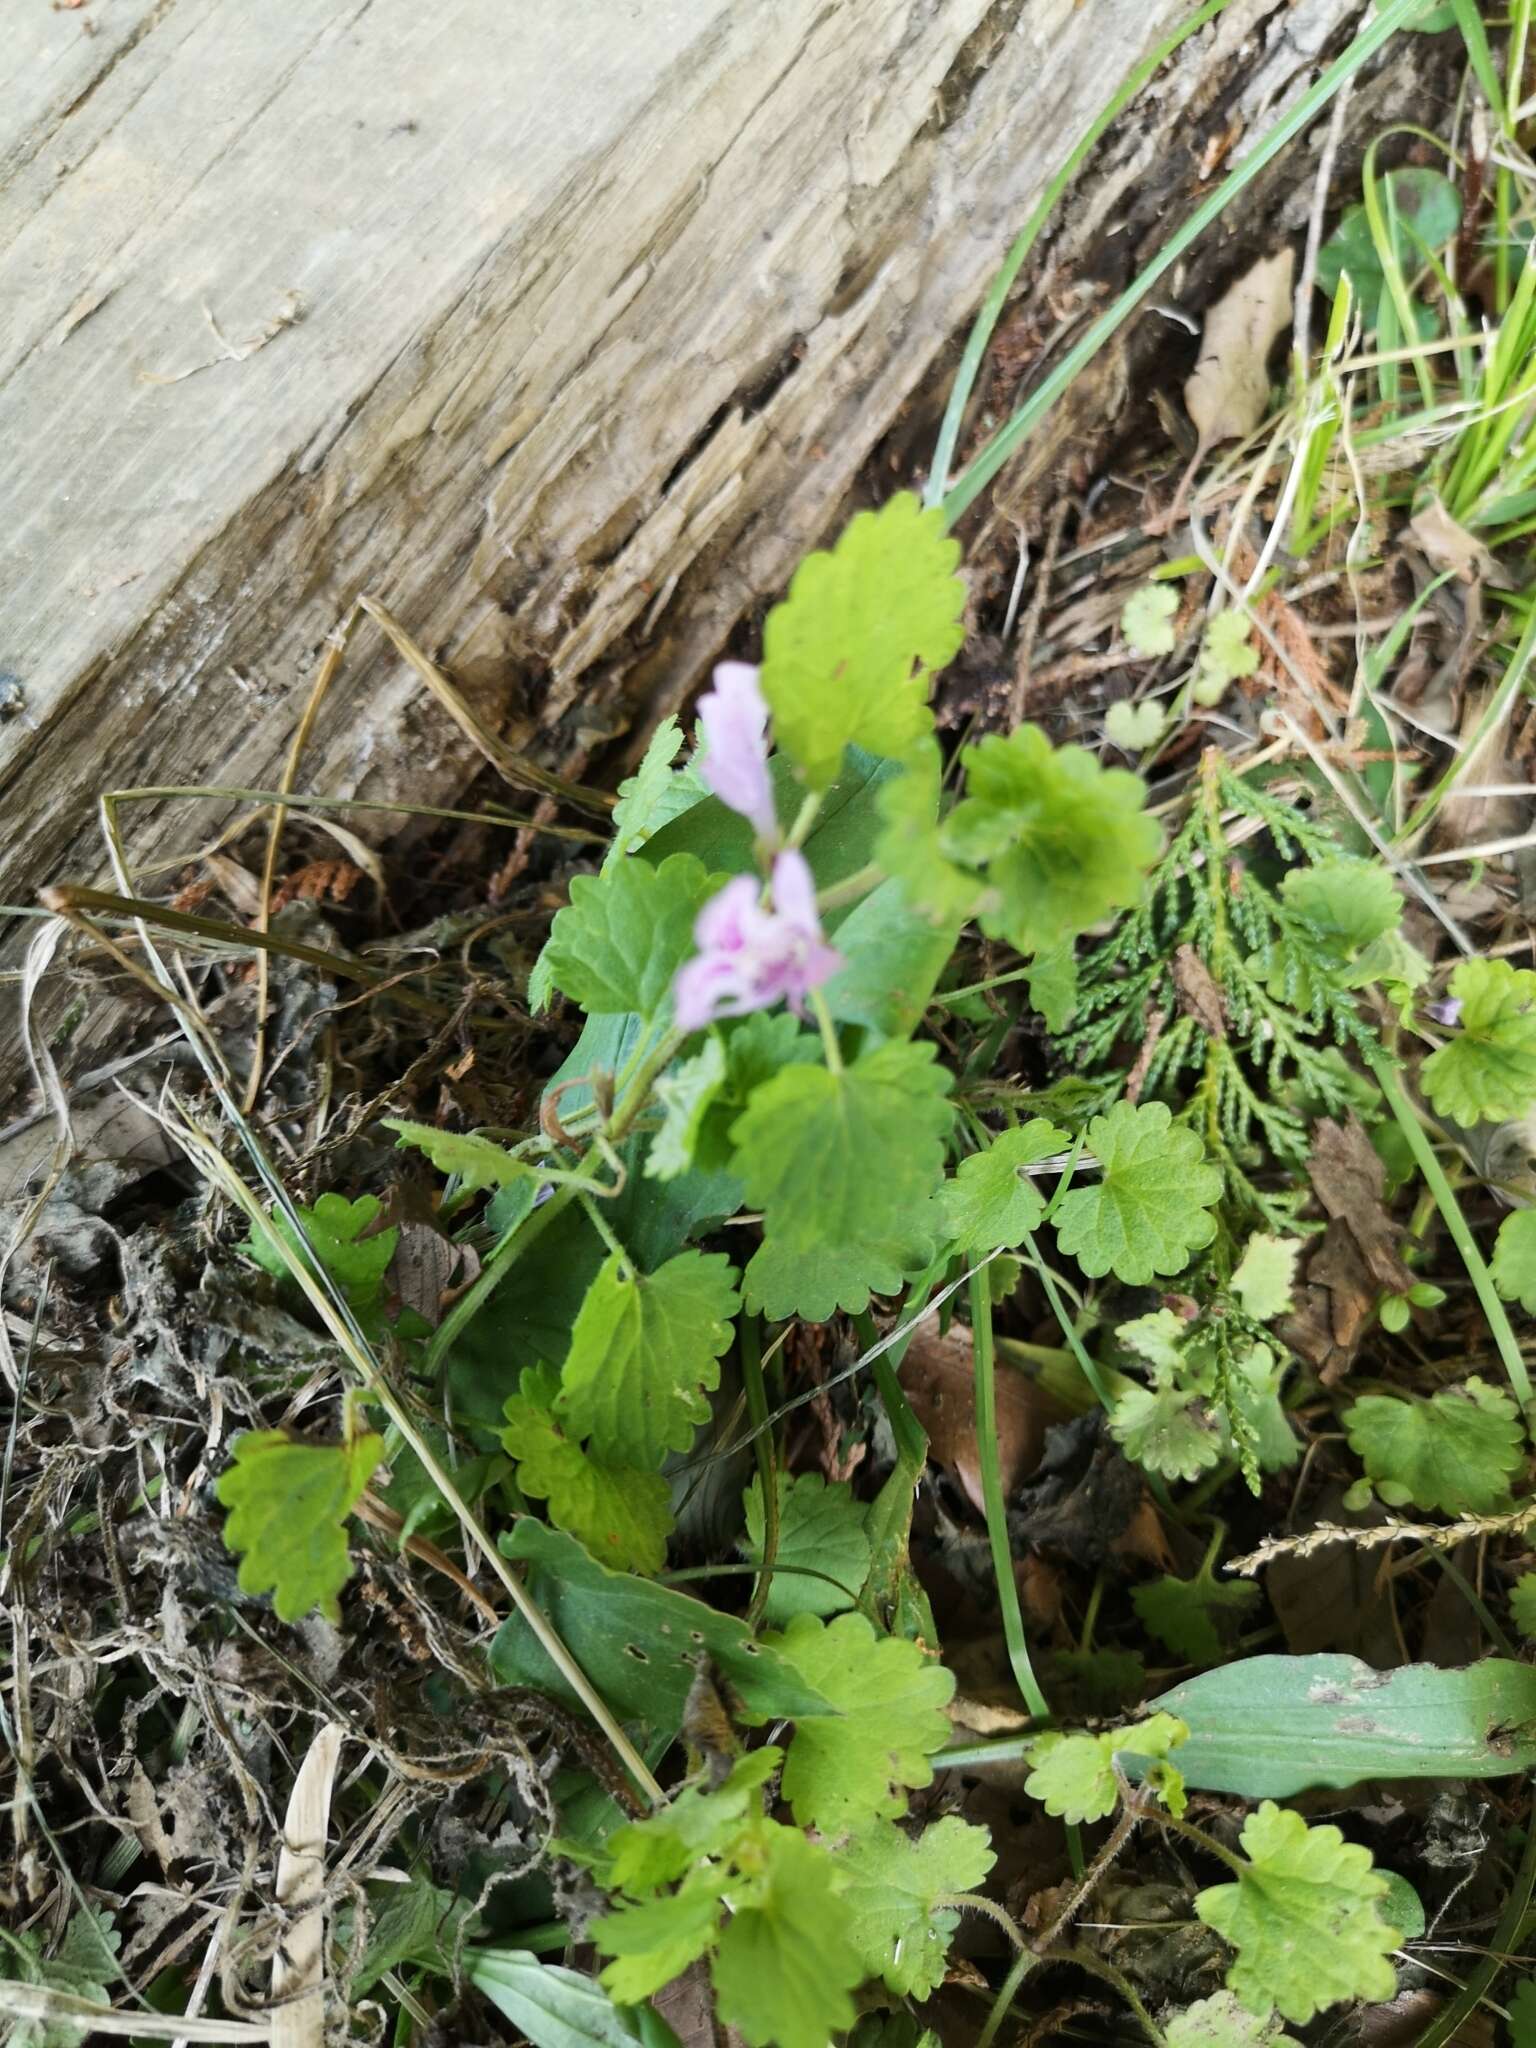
734, 720
751, 954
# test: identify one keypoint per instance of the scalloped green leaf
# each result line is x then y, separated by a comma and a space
858, 1764
1304, 1917
1453, 1454
816, 1283
1150, 1209
1073, 1776
288, 1505
1060, 840
844, 655
335, 1229
892, 1884
993, 1200
1487, 1071
645, 1349
821, 1527
622, 1512
849, 1157
1514, 1259
622, 937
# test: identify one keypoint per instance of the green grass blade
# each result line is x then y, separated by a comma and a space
980, 471
992, 305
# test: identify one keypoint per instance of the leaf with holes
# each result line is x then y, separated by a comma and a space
637, 1641
993, 1200
1151, 1207
1487, 1071
844, 655
1304, 1917
1453, 1454
289, 1503
892, 1885
644, 1350
622, 1513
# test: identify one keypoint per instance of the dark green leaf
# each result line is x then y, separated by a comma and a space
550, 2007
638, 1642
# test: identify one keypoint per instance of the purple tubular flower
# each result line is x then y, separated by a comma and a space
734, 721
752, 955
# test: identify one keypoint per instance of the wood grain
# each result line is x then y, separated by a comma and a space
602, 305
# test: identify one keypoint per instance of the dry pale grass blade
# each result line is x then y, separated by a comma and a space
50, 1088
509, 764
297, 2019
42, 2007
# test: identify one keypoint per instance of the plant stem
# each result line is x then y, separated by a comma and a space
1082, 1959
829, 1044
992, 1497
805, 818
1493, 1308
339, 1321
1007, 1992
1075, 1345
851, 887
947, 998
599, 1222
750, 1343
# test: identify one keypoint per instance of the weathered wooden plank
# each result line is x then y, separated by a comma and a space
602, 308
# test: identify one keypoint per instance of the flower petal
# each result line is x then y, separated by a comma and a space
794, 892
733, 718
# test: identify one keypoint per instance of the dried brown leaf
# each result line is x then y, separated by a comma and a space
1349, 1180
1229, 392
938, 1378
1448, 545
